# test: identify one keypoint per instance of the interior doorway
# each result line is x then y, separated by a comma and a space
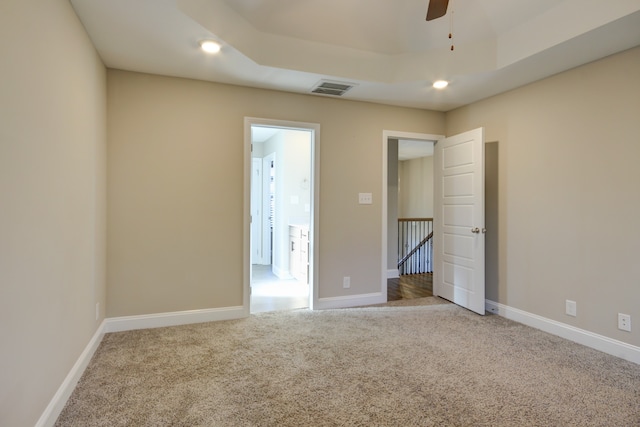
462, 219
406, 157
282, 201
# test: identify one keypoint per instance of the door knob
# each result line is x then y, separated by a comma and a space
475, 230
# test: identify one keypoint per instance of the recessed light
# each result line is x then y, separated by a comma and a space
440, 84
210, 46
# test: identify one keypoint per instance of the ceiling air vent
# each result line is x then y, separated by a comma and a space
331, 88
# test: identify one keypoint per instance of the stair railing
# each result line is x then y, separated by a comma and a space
415, 245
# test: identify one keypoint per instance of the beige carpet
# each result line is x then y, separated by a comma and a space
419, 363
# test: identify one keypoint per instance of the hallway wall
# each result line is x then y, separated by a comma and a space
292, 149
416, 188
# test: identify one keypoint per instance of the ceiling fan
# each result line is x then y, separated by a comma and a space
437, 8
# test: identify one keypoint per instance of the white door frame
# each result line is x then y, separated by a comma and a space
257, 250
386, 134
315, 216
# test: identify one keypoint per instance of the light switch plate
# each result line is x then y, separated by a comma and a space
365, 198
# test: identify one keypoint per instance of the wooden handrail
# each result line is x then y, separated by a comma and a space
414, 250
414, 219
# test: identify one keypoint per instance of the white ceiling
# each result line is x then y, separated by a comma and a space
263, 133
385, 47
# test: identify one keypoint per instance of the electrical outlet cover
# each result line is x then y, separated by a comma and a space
624, 322
571, 308
346, 282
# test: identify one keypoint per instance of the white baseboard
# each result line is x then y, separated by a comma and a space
117, 324
127, 323
599, 342
393, 273
350, 301
159, 320
56, 405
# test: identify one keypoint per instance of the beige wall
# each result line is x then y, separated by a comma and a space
52, 198
569, 193
175, 179
416, 188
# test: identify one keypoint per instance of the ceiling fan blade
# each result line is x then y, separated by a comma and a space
437, 8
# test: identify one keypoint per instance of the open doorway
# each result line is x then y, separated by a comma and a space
408, 214
282, 200
462, 218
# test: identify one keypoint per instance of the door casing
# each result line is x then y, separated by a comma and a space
386, 135
314, 221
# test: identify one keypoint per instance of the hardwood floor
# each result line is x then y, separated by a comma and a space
410, 286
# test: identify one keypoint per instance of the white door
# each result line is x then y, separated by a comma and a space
458, 218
